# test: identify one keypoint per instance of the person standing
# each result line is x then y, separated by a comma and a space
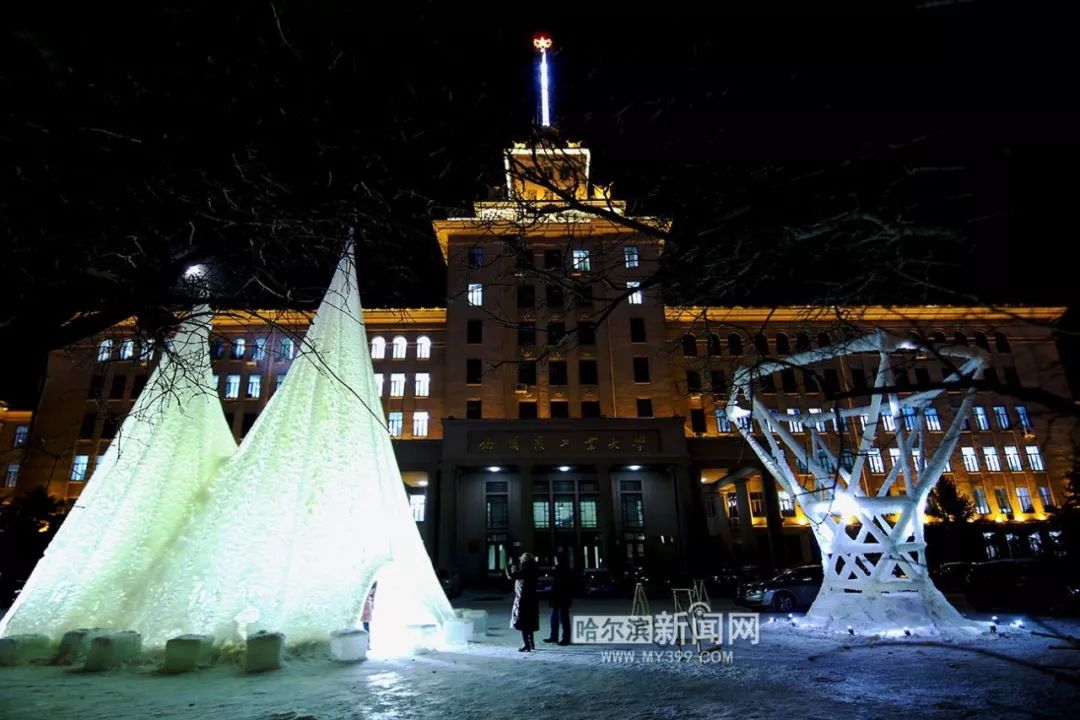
562, 597
525, 615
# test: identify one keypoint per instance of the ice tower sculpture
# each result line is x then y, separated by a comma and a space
126, 522
871, 538
309, 510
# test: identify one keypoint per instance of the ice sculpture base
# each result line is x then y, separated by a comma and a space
265, 651
22, 649
348, 645
889, 614
112, 650
457, 633
188, 652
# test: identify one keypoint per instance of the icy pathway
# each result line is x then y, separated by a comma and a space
789, 674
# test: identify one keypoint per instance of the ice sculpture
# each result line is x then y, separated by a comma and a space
871, 539
123, 526
307, 512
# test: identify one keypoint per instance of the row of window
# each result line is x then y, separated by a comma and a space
399, 347
421, 384
238, 349
252, 387
22, 432
588, 373
797, 421
783, 345
581, 259
555, 296
395, 423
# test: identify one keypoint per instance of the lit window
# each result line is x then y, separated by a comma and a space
127, 349
379, 383
420, 424
286, 349
423, 385
990, 455
933, 421
1002, 497
587, 510
888, 423
238, 347
635, 297
397, 385
911, 418
232, 386
104, 350
1044, 498
146, 349
894, 456
873, 458
378, 348
948, 464
1023, 496
254, 387
723, 425
564, 511
476, 294
260, 349
982, 506
395, 423
416, 506
12, 475
795, 423
630, 256
21, 433
982, 420
476, 258
916, 459
1034, 457
78, 467
581, 261
1001, 415
1012, 458
787, 505
541, 514
818, 420
971, 460
423, 347
1022, 415
399, 347
864, 419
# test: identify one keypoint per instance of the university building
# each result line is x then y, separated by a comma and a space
556, 404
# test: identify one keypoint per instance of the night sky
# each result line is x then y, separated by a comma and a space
686, 117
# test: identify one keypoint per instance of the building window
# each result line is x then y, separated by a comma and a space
581, 261
717, 382
933, 421
1002, 497
239, 345
982, 420
379, 383
476, 294
590, 408
588, 373
1023, 497
78, 468
420, 424
557, 374
697, 421
794, 422
553, 296
635, 297
911, 418
527, 410
417, 503
735, 346
119, 384
542, 514
396, 423
232, 386
641, 369
787, 504
247, 422
423, 347
397, 385
689, 345
286, 349
723, 425
556, 333
496, 552
564, 511
586, 333
633, 510
693, 381
146, 349
399, 348
874, 460
473, 371
1001, 415
281, 381
630, 256
971, 460
526, 297
1001, 342
1034, 457
981, 505
922, 378
527, 373
560, 409
127, 349
553, 260
473, 410
259, 353
1012, 458
254, 386
497, 510
990, 455
637, 330
474, 332
1023, 417
21, 433
217, 349
378, 348
11, 477
104, 353
526, 334
422, 386
644, 407
587, 511
476, 258
1045, 499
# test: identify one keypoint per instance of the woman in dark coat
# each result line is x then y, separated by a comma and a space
562, 597
526, 613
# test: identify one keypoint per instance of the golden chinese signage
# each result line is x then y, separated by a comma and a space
610, 443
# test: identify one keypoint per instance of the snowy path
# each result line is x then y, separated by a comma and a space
789, 674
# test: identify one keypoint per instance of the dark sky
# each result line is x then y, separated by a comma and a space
417, 108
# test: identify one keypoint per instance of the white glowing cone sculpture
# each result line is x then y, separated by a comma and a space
123, 526
309, 510
871, 538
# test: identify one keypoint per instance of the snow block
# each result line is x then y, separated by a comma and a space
457, 632
20, 649
265, 651
75, 644
112, 650
348, 645
188, 652
480, 623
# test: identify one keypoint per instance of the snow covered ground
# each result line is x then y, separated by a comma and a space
790, 673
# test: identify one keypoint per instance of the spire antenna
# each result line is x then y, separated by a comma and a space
543, 43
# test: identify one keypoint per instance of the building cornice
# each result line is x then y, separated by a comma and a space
872, 313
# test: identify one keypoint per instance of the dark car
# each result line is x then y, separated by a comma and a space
951, 576
1021, 584
787, 591
726, 581
545, 579
598, 583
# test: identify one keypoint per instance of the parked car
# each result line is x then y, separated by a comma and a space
545, 579
726, 581
1022, 584
787, 591
450, 581
598, 583
951, 576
